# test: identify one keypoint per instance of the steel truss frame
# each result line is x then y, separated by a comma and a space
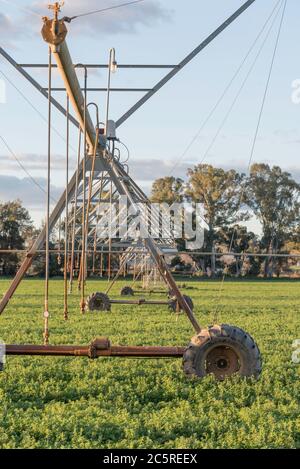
123, 184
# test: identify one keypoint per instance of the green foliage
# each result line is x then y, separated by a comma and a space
273, 195
15, 228
168, 190
122, 403
56, 264
220, 193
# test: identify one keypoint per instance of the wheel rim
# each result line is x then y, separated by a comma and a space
222, 361
99, 302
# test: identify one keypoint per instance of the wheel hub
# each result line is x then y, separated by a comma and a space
222, 361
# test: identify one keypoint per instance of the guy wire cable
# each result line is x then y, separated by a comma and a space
254, 141
66, 260
227, 115
72, 264
211, 113
102, 10
34, 107
47, 270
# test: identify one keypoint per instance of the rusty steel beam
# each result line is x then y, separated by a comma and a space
86, 351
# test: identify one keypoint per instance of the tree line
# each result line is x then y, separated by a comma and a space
229, 199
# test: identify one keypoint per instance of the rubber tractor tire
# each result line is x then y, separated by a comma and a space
127, 291
173, 304
2, 356
98, 302
223, 351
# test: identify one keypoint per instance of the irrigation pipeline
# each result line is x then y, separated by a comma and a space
94, 351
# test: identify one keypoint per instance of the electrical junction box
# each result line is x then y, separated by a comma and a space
111, 130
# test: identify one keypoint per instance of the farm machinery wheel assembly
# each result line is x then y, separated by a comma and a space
222, 351
175, 306
98, 302
101, 302
127, 291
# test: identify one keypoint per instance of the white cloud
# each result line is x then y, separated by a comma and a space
144, 172
6, 24
141, 170
9, 30
122, 20
147, 170
125, 20
13, 187
34, 162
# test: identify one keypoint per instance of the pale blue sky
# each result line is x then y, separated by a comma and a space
158, 32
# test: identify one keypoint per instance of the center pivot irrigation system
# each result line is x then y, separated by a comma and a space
102, 177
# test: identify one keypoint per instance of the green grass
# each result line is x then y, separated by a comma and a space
122, 403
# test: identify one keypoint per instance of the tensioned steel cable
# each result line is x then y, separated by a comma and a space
75, 212
47, 272
34, 107
227, 115
262, 107
59, 242
66, 260
21, 165
222, 96
26, 171
102, 10
69, 19
83, 254
98, 218
245, 79
247, 76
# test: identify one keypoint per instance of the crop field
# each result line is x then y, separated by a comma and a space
126, 403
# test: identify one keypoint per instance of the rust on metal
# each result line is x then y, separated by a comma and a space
98, 348
54, 32
223, 361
